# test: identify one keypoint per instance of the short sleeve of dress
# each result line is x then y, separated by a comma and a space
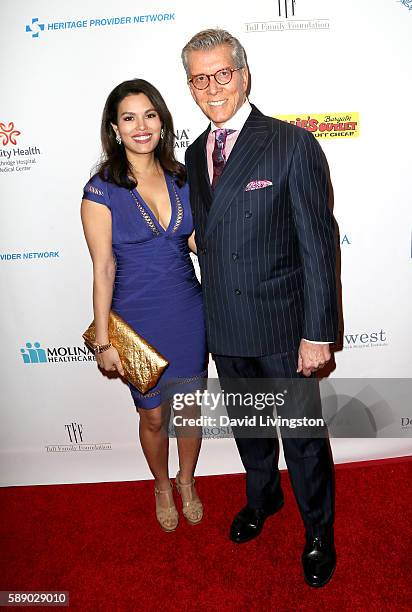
96, 191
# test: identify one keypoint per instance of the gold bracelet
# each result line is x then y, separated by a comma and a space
100, 348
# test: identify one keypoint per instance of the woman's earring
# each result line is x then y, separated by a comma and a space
162, 133
118, 139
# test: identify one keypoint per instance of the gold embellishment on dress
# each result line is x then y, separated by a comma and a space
92, 189
145, 216
191, 379
151, 394
179, 214
183, 381
174, 382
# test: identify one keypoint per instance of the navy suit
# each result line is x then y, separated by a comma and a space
267, 258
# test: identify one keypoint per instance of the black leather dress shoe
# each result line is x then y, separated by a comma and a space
318, 560
248, 523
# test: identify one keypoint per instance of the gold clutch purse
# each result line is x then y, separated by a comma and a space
142, 364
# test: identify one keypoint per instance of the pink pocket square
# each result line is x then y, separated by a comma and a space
257, 185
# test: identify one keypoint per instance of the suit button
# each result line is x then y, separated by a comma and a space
238, 291
248, 214
235, 256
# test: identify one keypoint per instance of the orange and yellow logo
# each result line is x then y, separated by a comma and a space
326, 125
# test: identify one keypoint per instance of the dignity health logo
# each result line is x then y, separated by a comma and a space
33, 353
13, 158
35, 28
8, 134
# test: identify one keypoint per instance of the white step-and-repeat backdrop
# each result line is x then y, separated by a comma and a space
341, 70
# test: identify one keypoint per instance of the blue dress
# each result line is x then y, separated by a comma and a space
155, 289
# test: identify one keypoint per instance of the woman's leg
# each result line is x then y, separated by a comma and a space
188, 449
189, 440
155, 443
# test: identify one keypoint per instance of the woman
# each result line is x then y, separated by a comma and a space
139, 243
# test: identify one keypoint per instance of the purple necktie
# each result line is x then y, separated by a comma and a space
218, 155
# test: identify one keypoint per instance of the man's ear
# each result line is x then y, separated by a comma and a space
245, 79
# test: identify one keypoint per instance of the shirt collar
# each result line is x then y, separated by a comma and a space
238, 120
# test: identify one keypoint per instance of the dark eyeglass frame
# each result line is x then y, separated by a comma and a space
208, 76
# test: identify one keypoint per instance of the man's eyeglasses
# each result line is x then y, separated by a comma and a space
222, 77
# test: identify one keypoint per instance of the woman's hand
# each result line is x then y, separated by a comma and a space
109, 361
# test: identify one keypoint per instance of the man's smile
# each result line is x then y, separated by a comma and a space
217, 102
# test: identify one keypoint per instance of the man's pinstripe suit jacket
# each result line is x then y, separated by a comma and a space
267, 256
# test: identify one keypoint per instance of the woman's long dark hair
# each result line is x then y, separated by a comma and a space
115, 166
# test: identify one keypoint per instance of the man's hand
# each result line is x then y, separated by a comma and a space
312, 357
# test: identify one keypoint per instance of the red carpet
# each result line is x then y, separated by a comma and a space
101, 543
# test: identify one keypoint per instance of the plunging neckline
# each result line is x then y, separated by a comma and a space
149, 211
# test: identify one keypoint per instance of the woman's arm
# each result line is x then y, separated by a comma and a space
97, 226
192, 243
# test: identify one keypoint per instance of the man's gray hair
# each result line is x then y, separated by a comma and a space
209, 39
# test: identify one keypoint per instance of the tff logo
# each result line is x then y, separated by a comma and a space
286, 8
8, 134
75, 432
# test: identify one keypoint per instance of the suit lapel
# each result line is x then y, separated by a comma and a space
202, 173
252, 141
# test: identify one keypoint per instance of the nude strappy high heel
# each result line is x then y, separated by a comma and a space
192, 506
167, 516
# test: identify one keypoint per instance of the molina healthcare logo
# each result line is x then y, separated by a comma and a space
37, 28
15, 156
289, 15
34, 353
326, 125
182, 139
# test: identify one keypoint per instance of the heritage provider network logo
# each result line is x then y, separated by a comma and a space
407, 4
37, 28
326, 125
289, 15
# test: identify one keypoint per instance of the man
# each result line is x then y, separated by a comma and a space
266, 248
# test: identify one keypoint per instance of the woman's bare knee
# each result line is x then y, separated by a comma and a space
152, 420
